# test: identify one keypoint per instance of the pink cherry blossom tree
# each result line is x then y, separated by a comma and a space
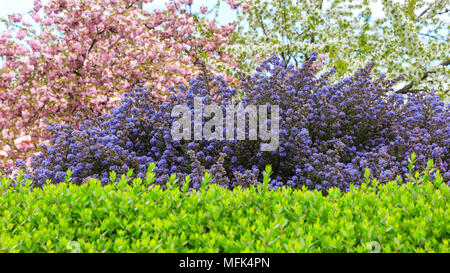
88, 52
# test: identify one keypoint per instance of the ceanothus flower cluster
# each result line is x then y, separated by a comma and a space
328, 136
331, 133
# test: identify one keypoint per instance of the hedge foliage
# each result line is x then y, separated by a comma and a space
137, 215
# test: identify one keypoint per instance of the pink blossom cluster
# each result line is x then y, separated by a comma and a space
88, 53
234, 4
318, 64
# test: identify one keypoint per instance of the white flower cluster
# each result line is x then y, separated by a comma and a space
402, 37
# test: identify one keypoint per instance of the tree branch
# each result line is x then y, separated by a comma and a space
445, 11
423, 12
262, 25
406, 89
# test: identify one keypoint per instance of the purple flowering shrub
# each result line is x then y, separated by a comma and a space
329, 133
131, 136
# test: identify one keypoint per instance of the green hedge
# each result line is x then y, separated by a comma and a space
136, 216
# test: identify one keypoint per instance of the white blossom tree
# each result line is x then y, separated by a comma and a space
402, 37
